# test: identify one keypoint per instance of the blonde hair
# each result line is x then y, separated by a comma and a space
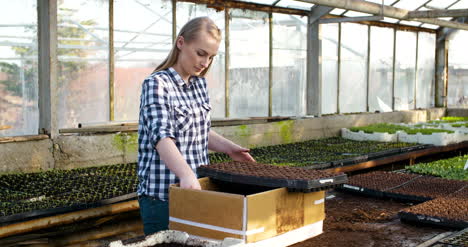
190, 31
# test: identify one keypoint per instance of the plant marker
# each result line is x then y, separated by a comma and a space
466, 165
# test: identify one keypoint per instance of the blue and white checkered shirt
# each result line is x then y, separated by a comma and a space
171, 108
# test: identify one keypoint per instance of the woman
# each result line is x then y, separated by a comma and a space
174, 125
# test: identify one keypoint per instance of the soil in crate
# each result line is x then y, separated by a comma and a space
297, 179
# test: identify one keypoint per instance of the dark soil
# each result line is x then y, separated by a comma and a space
380, 180
430, 187
449, 208
358, 221
270, 171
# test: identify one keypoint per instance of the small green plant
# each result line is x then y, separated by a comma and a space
452, 168
392, 129
450, 120
460, 125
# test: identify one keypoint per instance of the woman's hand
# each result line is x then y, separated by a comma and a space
190, 182
241, 154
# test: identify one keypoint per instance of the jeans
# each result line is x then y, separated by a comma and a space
154, 214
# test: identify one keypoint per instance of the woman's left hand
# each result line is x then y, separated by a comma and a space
241, 154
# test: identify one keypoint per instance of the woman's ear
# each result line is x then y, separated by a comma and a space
180, 42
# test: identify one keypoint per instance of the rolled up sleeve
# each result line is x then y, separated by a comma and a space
157, 111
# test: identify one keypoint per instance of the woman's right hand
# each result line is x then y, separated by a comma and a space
190, 182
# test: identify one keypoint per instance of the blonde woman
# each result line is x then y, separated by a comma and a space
174, 122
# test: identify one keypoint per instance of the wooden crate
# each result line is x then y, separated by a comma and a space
210, 213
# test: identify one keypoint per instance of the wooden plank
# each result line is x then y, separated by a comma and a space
5, 127
221, 5
107, 129
23, 138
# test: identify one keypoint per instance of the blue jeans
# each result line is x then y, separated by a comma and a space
154, 214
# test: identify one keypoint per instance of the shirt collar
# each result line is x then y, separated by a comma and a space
176, 77
179, 81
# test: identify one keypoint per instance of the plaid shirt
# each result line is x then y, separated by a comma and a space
171, 108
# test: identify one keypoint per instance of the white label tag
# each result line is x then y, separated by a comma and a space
351, 187
466, 165
322, 181
319, 201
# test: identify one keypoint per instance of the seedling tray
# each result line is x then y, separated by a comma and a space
431, 220
238, 172
406, 198
458, 239
350, 161
54, 211
362, 191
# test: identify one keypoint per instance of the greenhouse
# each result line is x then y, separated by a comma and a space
256, 123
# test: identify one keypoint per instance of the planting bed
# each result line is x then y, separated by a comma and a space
458, 239
296, 179
360, 221
425, 188
452, 168
403, 186
443, 211
376, 183
323, 153
28, 195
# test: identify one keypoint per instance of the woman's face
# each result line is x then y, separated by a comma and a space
196, 56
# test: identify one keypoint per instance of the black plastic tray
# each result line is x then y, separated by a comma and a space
292, 184
350, 161
457, 239
362, 191
54, 211
406, 198
431, 220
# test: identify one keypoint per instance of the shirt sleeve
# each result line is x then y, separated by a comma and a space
156, 110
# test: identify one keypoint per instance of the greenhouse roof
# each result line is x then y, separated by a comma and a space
413, 6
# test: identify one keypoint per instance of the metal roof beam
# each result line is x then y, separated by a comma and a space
351, 19
388, 11
438, 13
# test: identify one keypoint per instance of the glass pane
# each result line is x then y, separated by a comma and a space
463, 4
410, 23
249, 64
142, 39
425, 25
458, 67
19, 114
355, 14
337, 11
83, 79
405, 65
441, 4
289, 65
390, 20
329, 34
216, 76
425, 81
353, 70
410, 4
292, 4
381, 69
